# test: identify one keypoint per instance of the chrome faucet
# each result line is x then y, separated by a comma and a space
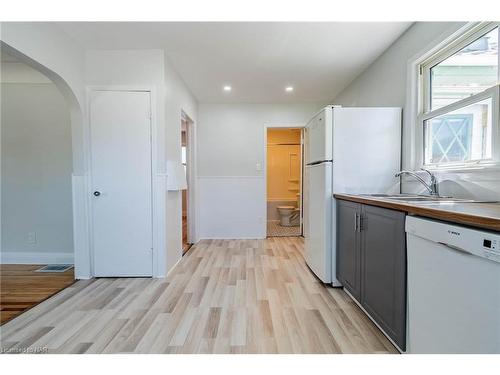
431, 187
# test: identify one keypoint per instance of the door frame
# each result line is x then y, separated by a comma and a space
191, 176
264, 163
158, 179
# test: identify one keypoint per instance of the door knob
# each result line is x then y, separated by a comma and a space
97, 193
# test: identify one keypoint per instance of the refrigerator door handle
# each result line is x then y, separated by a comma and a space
320, 162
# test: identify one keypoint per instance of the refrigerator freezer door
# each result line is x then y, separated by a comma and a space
319, 137
318, 240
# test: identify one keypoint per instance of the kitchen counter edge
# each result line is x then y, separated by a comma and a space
478, 215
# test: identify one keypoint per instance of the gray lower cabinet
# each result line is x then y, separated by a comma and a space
348, 247
371, 263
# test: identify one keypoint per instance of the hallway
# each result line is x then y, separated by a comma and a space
225, 296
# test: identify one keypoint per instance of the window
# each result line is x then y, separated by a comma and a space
460, 101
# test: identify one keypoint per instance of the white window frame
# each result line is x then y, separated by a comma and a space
461, 39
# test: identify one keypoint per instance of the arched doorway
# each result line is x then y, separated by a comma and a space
79, 159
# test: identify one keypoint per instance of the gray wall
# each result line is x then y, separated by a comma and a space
36, 173
231, 182
384, 83
231, 136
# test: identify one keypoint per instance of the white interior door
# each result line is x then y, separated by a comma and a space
121, 183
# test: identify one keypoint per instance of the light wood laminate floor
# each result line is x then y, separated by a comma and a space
225, 296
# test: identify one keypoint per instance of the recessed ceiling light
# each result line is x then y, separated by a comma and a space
289, 88
227, 88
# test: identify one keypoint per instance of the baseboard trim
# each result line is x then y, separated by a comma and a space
36, 258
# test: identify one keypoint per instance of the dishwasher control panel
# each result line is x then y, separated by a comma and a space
491, 250
466, 240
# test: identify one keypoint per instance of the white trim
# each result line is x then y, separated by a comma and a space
264, 169
418, 99
191, 178
20, 257
172, 269
459, 41
81, 230
158, 212
159, 224
494, 94
413, 99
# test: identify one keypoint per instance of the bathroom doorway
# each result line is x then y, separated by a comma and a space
284, 170
186, 125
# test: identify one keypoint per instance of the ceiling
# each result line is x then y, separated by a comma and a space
257, 59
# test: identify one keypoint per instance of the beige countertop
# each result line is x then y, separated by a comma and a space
480, 215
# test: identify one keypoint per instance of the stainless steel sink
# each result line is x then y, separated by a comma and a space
423, 199
395, 196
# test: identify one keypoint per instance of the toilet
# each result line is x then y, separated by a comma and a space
290, 215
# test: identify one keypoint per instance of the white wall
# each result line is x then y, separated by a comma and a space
152, 68
72, 68
36, 172
142, 69
44, 47
384, 83
231, 188
178, 99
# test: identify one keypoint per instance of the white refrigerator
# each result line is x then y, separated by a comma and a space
347, 150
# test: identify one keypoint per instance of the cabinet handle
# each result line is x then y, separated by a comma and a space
355, 221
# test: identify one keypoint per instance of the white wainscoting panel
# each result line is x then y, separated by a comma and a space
81, 240
231, 207
159, 225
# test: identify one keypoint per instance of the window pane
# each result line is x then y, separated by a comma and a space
458, 136
183, 154
469, 71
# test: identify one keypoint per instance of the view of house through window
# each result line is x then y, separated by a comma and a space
461, 135
457, 128
469, 71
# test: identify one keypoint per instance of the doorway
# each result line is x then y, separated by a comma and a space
284, 181
186, 151
37, 238
121, 165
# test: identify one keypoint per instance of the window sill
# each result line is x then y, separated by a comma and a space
465, 168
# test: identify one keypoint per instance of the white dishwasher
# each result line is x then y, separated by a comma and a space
453, 288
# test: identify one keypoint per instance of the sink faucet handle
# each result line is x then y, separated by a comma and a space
433, 184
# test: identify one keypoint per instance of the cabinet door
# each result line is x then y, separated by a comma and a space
348, 246
383, 270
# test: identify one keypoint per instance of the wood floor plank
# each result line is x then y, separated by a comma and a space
224, 296
21, 288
